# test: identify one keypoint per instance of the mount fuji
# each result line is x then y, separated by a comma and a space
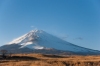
41, 41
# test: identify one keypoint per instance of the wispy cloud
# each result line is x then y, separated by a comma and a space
32, 26
79, 38
65, 37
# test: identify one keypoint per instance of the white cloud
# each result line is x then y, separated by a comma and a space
32, 26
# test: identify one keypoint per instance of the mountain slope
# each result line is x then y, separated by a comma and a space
38, 39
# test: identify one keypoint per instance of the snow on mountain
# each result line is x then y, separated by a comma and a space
39, 39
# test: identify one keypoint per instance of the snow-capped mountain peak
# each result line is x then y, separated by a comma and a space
32, 35
39, 39
28, 39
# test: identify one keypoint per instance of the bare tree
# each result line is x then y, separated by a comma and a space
3, 53
10, 54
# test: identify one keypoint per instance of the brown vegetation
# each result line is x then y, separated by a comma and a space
49, 60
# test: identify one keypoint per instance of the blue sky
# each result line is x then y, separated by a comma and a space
76, 21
